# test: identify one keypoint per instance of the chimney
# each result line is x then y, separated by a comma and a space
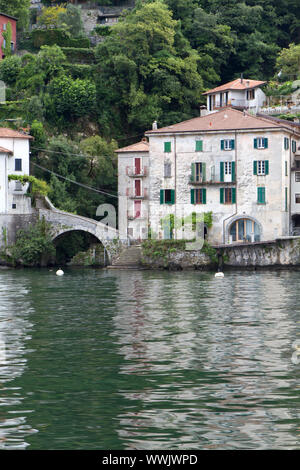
154, 125
241, 78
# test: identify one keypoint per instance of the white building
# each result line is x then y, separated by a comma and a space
241, 93
240, 167
14, 160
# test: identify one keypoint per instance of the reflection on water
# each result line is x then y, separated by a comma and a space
149, 360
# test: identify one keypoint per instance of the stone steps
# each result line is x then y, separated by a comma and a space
130, 256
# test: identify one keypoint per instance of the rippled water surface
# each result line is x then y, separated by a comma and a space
148, 360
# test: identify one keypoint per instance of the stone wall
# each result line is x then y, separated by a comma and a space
10, 224
283, 252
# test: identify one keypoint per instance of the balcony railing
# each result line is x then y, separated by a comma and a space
134, 194
210, 180
133, 215
136, 172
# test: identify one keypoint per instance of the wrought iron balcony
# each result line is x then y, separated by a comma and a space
135, 194
200, 181
136, 172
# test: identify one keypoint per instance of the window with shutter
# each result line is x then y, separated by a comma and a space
286, 143
261, 195
167, 146
167, 196
199, 145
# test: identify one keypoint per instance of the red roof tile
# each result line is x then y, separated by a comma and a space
5, 132
142, 146
228, 119
4, 150
236, 85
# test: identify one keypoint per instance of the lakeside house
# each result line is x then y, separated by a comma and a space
4, 20
243, 168
14, 160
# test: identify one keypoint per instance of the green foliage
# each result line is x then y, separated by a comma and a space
210, 252
10, 68
73, 98
288, 62
18, 9
37, 187
161, 248
60, 37
7, 36
81, 55
144, 75
50, 17
72, 21
33, 246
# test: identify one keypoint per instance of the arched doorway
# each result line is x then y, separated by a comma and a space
244, 230
296, 224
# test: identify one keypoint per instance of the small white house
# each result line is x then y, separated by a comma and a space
240, 93
14, 159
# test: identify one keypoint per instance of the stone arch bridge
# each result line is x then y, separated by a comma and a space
63, 222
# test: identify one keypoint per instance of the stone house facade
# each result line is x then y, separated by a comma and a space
239, 167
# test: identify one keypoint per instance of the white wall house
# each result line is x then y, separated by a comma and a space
242, 93
14, 159
231, 163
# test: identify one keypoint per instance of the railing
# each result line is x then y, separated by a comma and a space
280, 109
134, 194
212, 179
135, 172
133, 215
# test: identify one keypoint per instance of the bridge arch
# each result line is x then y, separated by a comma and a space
63, 222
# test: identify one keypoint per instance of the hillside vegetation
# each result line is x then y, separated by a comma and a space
82, 102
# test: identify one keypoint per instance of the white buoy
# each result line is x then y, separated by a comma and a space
59, 272
219, 274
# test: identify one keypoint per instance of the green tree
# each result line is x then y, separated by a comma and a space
71, 20
142, 77
10, 68
288, 62
73, 98
17, 8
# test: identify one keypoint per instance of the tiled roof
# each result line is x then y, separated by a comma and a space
5, 132
236, 85
228, 119
142, 146
4, 150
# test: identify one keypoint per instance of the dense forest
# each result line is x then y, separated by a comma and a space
82, 101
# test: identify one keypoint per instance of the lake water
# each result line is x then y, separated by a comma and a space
106, 359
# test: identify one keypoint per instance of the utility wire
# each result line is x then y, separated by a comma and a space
75, 182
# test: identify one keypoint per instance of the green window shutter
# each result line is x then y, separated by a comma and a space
255, 167
233, 195
232, 144
261, 195
266, 143
286, 199
294, 146
167, 146
192, 196
222, 195
204, 196
193, 171
172, 196
286, 143
204, 171
221, 171
232, 171
266, 167
286, 168
255, 146
162, 199
199, 145
222, 144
